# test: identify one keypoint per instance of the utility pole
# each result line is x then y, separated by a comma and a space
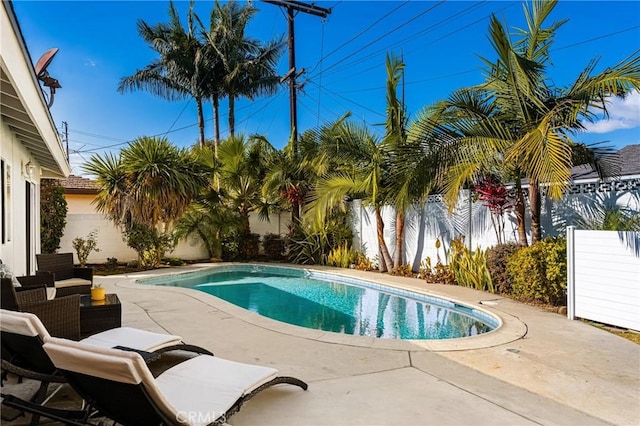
293, 74
66, 137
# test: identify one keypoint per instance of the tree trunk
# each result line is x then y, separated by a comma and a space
295, 213
385, 258
246, 229
216, 123
520, 215
232, 118
398, 255
535, 206
200, 120
207, 244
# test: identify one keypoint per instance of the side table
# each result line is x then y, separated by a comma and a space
101, 315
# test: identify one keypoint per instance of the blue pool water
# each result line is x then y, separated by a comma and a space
332, 303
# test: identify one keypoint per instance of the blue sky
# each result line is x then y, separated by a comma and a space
344, 54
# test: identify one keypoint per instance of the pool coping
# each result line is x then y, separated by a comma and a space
510, 327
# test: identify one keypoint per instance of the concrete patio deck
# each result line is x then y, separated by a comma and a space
539, 368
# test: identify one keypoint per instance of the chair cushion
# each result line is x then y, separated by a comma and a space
5, 272
214, 385
51, 293
72, 282
110, 364
23, 323
132, 338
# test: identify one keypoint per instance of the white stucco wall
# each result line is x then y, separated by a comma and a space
13, 250
110, 243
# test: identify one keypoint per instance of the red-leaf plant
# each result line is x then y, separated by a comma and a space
496, 197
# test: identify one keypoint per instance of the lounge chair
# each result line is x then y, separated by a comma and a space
67, 279
22, 337
201, 390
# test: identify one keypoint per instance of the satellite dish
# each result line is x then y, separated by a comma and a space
43, 75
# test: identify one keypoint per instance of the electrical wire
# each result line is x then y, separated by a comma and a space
424, 12
414, 37
322, 58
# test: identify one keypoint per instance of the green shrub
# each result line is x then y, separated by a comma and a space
53, 215
539, 272
497, 257
250, 246
308, 249
148, 243
306, 245
84, 247
342, 256
402, 271
363, 263
173, 261
469, 268
273, 246
439, 273
231, 243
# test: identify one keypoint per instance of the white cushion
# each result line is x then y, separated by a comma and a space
110, 364
51, 293
24, 323
5, 272
72, 282
214, 385
132, 338
206, 386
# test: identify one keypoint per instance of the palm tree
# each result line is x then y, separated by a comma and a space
180, 69
292, 171
241, 170
532, 122
214, 80
395, 140
360, 176
369, 170
151, 182
249, 66
207, 222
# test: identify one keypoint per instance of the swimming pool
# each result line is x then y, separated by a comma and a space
334, 303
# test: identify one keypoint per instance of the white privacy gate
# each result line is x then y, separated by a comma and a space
603, 282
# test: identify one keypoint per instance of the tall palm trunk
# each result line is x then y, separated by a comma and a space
520, 214
200, 120
232, 117
295, 213
216, 123
398, 255
535, 206
385, 258
246, 230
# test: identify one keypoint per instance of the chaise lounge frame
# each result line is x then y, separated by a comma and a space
127, 393
23, 336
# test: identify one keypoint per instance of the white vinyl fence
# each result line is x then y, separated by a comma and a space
603, 282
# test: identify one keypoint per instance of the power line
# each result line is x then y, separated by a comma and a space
350, 100
414, 37
322, 58
595, 38
424, 12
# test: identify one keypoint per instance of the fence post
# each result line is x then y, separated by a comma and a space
571, 273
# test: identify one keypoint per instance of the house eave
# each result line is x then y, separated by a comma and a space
30, 121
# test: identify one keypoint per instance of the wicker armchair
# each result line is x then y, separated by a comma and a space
61, 316
66, 278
